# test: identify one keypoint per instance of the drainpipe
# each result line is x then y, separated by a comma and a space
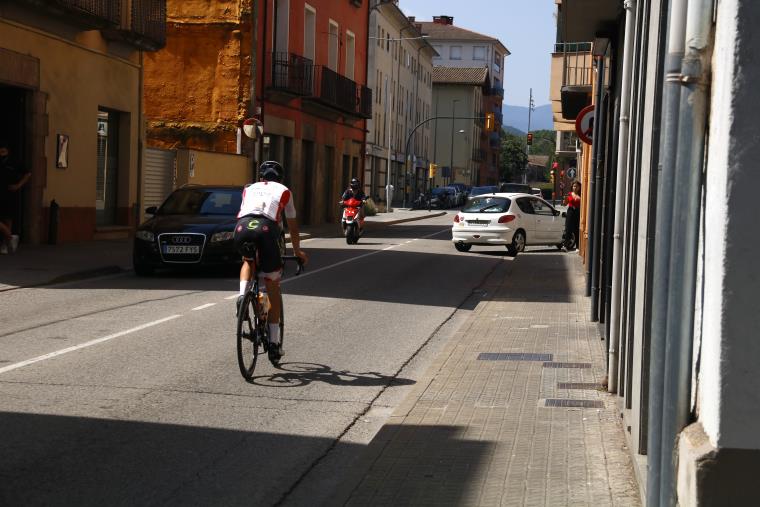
596, 149
685, 217
620, 194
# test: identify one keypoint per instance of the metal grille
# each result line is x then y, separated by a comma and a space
553, 402
581, 385
149, 20
108, 10
292, 73
566, 365
342, 93
513, 356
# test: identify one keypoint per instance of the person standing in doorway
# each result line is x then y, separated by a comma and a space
12, 179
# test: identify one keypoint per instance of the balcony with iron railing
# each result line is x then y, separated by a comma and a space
291, 75
340, 93
90, 14
494, 141
571, 81
145, 27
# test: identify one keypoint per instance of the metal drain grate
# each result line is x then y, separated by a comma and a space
553, 402
514, 356
580, 385
566, 365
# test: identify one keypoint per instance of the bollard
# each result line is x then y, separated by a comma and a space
53, 223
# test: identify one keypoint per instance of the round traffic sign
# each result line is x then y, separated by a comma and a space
584, 124
571, 173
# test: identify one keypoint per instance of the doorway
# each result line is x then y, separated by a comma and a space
13, 129
107, 177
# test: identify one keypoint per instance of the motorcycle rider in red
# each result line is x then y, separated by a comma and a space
259, 222
355, 191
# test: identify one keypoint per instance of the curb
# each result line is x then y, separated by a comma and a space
375, 224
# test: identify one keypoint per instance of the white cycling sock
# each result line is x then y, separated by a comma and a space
274, 333
244, 286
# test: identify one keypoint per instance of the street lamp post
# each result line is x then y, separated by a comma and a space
453, 126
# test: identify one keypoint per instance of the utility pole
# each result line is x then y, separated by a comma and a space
527, 146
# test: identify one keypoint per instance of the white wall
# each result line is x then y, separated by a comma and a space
729, 379
467, 57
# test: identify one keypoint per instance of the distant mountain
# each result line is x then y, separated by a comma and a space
513, 131
517, 117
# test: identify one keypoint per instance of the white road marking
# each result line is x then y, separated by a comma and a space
203, 307
90, 343
234, 296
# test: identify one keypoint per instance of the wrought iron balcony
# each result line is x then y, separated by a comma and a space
149, 23
146, 27
499, 118
498, 91
495, 140
341, 93
292, 74
91, 14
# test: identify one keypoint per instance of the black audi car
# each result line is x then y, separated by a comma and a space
194, 226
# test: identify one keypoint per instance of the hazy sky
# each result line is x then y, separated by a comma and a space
527, 28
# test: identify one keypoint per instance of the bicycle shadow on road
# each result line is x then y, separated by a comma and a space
298, 374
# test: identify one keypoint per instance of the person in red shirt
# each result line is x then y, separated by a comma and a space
572, 221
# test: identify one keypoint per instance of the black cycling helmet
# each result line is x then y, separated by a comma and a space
355, 184
271, 171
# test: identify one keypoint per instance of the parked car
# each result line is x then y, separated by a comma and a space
463, 191
194, 226
441, 198
489, 189
455, 196
509, 219
520, 188
537, 192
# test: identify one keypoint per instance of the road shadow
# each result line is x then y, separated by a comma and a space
84, 461
297, 374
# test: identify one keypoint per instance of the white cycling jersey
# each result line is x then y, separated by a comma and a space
269, 199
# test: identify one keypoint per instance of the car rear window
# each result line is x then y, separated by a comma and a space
487, 205
202, 202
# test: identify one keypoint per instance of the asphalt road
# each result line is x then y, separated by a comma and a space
126, 391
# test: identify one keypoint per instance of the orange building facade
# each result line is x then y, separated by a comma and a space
310, 68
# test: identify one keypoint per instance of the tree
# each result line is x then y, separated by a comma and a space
512, 159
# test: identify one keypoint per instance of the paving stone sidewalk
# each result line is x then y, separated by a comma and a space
478, 432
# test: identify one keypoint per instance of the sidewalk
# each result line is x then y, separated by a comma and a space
479, 428
47, 264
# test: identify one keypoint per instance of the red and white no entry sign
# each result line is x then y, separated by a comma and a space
584, 124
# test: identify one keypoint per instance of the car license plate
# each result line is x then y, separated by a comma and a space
181, 249
479, 223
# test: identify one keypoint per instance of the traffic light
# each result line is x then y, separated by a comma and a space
490, 125
431, 171
530, 138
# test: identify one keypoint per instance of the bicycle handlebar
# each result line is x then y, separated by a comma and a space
299, 269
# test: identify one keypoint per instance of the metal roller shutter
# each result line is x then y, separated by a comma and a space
158, 175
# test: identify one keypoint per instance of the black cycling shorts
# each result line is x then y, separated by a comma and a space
259, 234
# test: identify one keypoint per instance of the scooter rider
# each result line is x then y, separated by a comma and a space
355, 191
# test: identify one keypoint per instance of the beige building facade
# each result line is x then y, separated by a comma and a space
70, 89
400, 76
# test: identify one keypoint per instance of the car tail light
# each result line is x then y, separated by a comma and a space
456, 219
504, 219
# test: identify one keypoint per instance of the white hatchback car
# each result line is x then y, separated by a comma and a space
512, 220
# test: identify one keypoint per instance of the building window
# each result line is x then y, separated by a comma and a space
332, 46
479, 53
455, 52
309, 32
379, 39
496, 62
350, 54
439, 50
282, 26
388, 42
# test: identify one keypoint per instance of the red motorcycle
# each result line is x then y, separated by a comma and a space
352, 220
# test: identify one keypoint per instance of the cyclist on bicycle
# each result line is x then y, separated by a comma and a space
259, 223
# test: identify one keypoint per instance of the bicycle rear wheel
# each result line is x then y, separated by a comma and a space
282, 331
247, 337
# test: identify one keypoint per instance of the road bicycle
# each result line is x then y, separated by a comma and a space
252, 327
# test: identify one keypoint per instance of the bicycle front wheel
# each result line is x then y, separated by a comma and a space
247, 337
